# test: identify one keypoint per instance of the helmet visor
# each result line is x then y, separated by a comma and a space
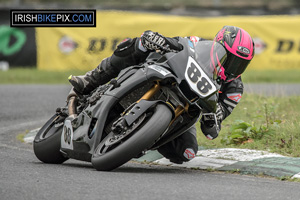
235, 65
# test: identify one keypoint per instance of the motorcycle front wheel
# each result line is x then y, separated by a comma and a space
46, 143
108, 157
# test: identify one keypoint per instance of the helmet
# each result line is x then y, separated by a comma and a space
240, 50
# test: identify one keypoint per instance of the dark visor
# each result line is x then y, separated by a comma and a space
235, 65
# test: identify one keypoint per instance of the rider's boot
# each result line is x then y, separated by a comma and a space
86, 83
129, 52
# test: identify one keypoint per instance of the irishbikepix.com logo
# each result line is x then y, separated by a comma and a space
53, 18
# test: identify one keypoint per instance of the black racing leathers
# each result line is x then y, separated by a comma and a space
230, 95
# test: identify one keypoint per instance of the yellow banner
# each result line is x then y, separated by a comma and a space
277, 38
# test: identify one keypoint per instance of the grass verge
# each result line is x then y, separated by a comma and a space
261, 123
34, 76
272, 76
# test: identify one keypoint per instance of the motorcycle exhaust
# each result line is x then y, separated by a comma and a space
72, 106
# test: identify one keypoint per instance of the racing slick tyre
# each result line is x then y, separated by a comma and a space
108, 157
46, 143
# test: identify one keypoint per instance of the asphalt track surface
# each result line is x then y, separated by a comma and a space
22, 176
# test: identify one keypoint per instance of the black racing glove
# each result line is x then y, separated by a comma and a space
154, 41
211, 123
210, 129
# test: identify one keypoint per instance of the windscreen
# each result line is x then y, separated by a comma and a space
210, 56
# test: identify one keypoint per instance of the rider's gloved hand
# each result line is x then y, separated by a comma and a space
209, 126
154, 41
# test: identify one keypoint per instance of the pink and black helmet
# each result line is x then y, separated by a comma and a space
240, 49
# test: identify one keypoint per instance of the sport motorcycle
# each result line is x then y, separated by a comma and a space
145, 107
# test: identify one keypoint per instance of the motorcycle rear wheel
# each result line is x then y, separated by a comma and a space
46, 143
137, 142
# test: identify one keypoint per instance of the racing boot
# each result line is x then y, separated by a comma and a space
86, 83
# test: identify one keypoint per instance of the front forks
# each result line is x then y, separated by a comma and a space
150, 93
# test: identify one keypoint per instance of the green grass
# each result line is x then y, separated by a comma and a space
34, 76
272, 76
276, 117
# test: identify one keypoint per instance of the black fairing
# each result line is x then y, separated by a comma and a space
88, 127
209, 55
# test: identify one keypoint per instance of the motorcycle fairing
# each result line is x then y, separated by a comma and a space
141, 107
197, 79
83, 144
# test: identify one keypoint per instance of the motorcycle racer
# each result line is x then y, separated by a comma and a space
133, 51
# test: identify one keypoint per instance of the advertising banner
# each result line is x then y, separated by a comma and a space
277, 38
17, 45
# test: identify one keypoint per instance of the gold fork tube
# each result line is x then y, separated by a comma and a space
178, 111
150, 93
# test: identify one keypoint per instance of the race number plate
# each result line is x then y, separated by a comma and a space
199, 82
67, 136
